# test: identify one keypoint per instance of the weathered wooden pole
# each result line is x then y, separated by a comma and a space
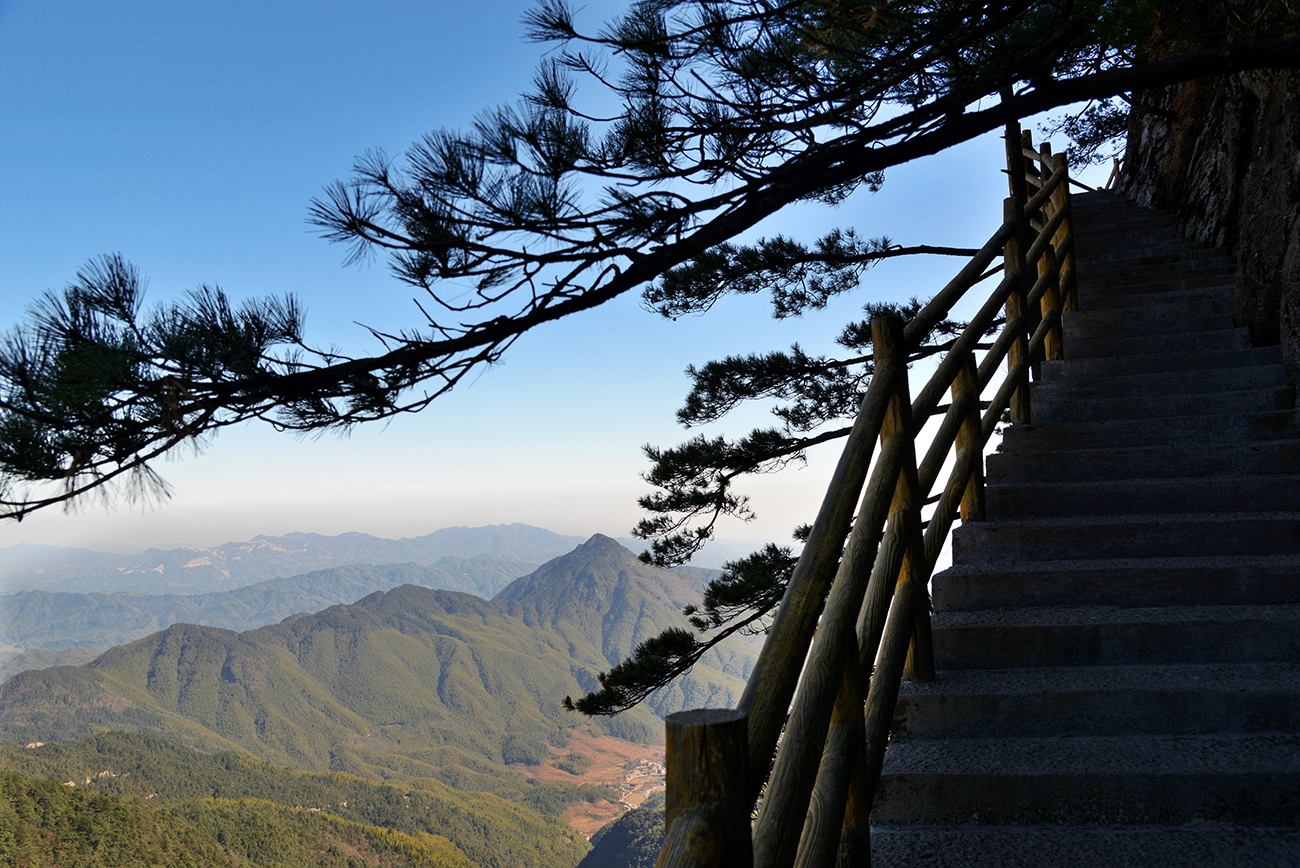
776, 672
1051, 302
1033, 170
1015, 164
707, 804
969, 439
781, 827
1065, 239
829, 832
1014, 264
1047, 264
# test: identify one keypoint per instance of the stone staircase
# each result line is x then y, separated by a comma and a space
1119, 643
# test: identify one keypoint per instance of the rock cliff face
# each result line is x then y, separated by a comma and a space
1223, 154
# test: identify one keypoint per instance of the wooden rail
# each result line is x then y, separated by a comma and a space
807, 742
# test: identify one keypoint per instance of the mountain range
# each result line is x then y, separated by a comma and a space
232, 565
410, 682
65, 619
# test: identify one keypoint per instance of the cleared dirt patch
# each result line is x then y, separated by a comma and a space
633, 770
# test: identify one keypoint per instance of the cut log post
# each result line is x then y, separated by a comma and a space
1027, 164
1048, 265
1065, 240
1051, 301
781, 827
707, 806
829, 832
969, 439
1014, 264
776, 672
1015, 164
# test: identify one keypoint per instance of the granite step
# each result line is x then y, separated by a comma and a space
1128, 536
1128, 582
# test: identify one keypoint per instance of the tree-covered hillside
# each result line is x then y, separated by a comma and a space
45, 824
245, 804
405, 681
409, 682
632, 841
604, 595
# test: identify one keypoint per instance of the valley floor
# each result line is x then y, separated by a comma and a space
633, 770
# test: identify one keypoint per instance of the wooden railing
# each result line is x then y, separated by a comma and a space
810, 758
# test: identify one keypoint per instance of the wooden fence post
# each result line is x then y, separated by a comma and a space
706, 810
1015, 161
1048, 265
970, 439
838, 825
1014, 264
1065, 240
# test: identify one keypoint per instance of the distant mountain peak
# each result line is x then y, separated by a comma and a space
600, 542
598, 574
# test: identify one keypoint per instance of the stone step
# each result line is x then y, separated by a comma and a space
1113, 224
1228, 339
1159, 363
1212, 461
1116, 636
1139, 383
1107, 408
1161, 303
1145, 846
1238, 698
1220, 294
1171, 431
1258, 493
1128, 536
1104, 235
1133, 235
1125, 324
1108, 204
1155, 267
1137, 277
1142, 582
1156, 280
1143, 256
1101, 780
1142, 244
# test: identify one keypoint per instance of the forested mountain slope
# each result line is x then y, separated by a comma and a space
603, 595
411, 681
250, 806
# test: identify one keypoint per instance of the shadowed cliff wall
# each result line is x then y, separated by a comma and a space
1223, 154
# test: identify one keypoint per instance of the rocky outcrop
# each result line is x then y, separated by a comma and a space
1223, 154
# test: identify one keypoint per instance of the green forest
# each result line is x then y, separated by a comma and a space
65, 800
45, 823
415, 712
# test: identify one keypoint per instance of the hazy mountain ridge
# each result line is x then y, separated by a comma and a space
44, 658
44, 619
183, 570
234, 564
409, 681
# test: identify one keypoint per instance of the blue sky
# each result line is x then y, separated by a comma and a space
192, 137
